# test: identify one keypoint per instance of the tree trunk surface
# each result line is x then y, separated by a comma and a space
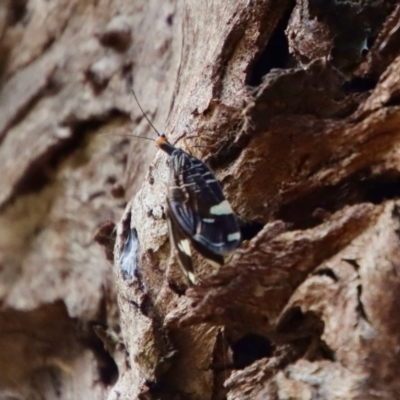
296, 108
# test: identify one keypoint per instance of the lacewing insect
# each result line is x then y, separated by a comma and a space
198, 214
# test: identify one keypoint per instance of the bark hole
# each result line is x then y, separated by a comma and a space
249, 229
250, 348
276, 53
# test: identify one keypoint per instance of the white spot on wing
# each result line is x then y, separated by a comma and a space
209, 220
233, 236
191, 277
222, 208
184, 246
182, 186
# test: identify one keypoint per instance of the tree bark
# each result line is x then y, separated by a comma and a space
294, 105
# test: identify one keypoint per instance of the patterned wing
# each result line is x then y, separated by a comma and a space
198, 205
181, 247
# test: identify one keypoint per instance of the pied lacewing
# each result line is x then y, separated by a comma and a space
198, 214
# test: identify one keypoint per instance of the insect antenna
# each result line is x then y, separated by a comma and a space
192, 137
138, 136
144, 114
127, 135
201, 146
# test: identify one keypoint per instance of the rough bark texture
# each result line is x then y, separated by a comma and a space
295, 106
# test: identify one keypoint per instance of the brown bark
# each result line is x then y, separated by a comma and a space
293, 105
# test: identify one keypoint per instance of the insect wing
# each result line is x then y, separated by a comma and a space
199, 207
181, 247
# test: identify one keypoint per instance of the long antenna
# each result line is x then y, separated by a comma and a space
144, 114
127, 135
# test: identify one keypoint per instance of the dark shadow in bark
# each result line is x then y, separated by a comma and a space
250, 348
311, 209
276, 53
